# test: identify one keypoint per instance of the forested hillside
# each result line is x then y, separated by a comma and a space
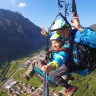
18, 35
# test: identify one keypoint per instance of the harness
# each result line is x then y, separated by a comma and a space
60, 49
87, 57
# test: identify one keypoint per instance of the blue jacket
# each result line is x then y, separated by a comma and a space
59, 58
86, 37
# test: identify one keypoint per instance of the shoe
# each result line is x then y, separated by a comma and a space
60, 94
70, 77
70, 91
25, 77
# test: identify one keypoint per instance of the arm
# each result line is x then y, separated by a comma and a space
59, 59
86, 37
48, 67
76, 22
44, 33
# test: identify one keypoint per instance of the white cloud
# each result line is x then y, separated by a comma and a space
13, 2
21, 4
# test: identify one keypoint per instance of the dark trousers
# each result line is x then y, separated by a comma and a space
57, 74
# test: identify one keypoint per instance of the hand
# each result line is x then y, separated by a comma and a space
43, 32
43, 68
76, 22
48, 68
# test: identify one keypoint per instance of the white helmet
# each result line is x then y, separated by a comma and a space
56, 36
60, 24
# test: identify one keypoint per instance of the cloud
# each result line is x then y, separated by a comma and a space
13, 2
21, 4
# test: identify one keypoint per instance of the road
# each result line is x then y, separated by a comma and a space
3, 84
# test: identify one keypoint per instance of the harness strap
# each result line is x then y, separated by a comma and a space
65, 49
61, 49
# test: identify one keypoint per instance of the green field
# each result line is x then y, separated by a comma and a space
33, 81
3, 93
15, 64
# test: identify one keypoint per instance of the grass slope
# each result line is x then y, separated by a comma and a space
86, 84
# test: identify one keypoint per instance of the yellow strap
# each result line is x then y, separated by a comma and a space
54, 63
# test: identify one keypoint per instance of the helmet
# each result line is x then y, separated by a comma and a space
60, 24
56, 36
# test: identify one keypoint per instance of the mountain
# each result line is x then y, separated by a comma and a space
18, 35
93, 27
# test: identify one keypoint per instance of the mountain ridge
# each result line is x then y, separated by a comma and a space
18, 35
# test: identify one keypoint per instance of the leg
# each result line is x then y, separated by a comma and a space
56, 76
30, 72
63, 70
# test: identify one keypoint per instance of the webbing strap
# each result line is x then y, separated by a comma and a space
61, 49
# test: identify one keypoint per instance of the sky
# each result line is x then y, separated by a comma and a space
43, 12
